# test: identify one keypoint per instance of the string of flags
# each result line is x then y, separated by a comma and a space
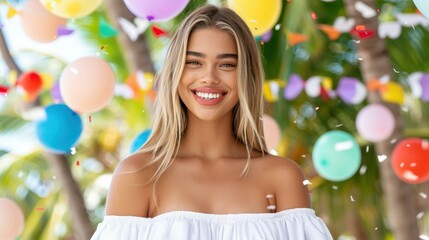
349, 89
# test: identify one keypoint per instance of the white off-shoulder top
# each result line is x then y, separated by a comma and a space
291, 224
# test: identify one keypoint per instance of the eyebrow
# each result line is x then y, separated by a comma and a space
220, 56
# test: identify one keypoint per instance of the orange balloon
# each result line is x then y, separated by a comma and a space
87, 84
272, 132
11, 219
38, 23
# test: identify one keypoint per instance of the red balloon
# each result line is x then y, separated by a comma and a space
31, 82
410, 160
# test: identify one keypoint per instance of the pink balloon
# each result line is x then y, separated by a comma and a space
156, 10
375, 123
38, 23
11, 219
272, 132
87, 84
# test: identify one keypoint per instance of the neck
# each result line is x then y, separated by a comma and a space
210, 140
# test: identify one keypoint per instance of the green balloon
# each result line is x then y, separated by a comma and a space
336, 156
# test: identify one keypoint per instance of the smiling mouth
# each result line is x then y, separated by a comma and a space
208, 96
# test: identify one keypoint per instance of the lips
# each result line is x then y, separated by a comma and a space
208, 96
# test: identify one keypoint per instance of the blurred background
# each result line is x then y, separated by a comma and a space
346, 96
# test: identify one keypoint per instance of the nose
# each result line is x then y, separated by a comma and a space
210, 76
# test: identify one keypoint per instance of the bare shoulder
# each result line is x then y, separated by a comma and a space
287, 179
129, 194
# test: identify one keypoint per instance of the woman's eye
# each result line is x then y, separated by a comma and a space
192, 62
228, 65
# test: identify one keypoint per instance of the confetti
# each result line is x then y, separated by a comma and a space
158, 32
365, 10
339, 125
393, 141
303, 155
362, 170
352, 199
313, 16
73, 150
367, 149
381, 158
77, 163
420, 215
89, 118
40, 208
63, 31
4, 90
271, 207
306, 182
335, 187
424, 237
423, 195
133, 30
269, 196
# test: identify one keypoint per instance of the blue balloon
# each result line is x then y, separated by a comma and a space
140, 140
61, 129
336, 155
423, 7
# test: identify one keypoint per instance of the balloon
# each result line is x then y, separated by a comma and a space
71, 8
140, 140
87, 84
156, 10
336, 155
11, 219
410, 160
61, 129
375, 123
272, 132
38, 23
260, 16
31, 82
423, 7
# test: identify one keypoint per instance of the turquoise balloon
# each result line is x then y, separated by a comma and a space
61, 129
423, 7
336, 156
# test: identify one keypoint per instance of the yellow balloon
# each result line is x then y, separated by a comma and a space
260, 16
71, 8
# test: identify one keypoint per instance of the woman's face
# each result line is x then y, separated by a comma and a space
208, 86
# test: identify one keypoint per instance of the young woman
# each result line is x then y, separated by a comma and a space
205, 172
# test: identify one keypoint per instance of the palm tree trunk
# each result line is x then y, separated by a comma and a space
81, 223
400, 197
79, 216
137, 53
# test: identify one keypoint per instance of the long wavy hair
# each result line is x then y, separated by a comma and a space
169, 116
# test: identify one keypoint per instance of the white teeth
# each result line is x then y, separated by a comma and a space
208, 95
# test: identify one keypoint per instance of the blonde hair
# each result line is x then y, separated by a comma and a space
169, 120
